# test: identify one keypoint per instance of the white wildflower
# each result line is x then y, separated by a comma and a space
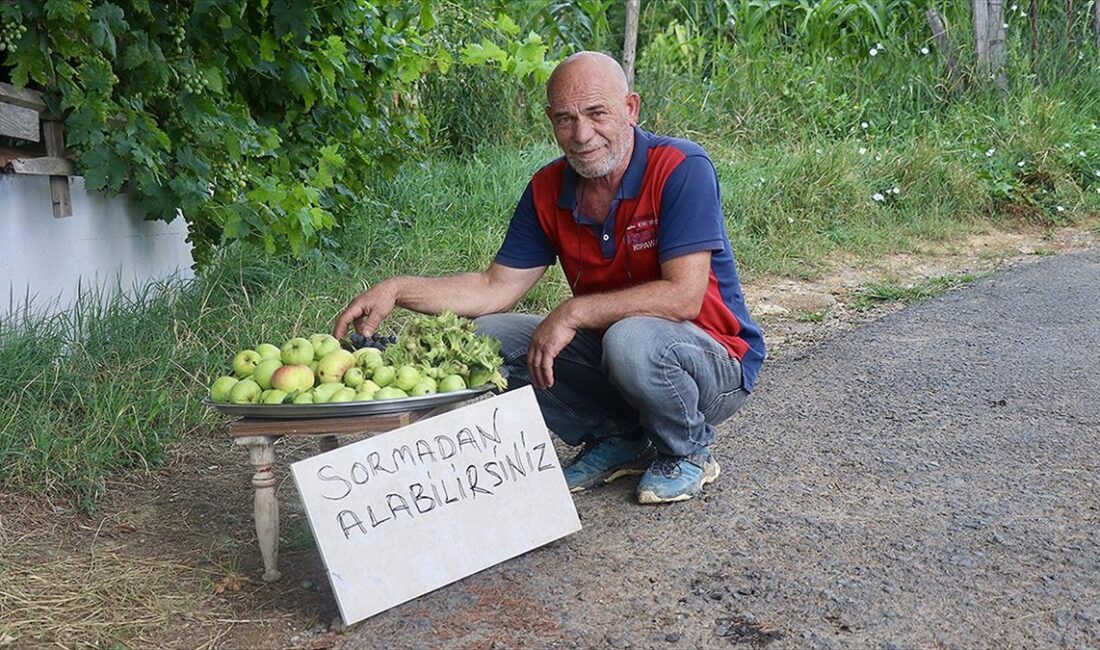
873, 52
896, 190
989, 153
864, 125
1082, 154
1005, 25
877, 196
1013, 8
1060, 209
862, 151
1098, 173
924, 50
878, 158
1020, 164
790, 219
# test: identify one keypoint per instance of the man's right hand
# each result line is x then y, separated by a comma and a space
366, 311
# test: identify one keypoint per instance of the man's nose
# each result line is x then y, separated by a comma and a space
582, 131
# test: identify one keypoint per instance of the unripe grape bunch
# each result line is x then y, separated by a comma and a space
10, 33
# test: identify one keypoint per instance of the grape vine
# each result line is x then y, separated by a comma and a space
259, 120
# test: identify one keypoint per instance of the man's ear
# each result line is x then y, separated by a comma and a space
633, 106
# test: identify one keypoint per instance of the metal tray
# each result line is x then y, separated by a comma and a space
344, 409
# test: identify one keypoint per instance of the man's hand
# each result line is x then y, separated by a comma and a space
548, 340
366, 311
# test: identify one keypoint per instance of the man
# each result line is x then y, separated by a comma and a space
656, 345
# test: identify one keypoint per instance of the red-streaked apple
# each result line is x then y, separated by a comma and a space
293, 379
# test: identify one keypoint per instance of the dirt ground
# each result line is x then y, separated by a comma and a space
169, 558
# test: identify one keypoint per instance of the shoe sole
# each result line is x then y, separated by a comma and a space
619, 473
648, 497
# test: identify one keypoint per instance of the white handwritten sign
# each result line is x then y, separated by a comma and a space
405, 512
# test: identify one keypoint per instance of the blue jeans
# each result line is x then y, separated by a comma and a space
646, 376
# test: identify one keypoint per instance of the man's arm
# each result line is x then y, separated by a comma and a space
677, 296
494, 290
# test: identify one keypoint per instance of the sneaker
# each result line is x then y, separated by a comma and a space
677, 478
607, 459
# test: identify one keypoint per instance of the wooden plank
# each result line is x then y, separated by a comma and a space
59, 185
19, 122
322, 426
22, 97
43, 166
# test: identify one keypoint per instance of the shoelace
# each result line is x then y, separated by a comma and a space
667, 466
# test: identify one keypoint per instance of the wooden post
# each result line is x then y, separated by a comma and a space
630, 41
261, 452
955, 79
1096, 23
59, 185
989, 40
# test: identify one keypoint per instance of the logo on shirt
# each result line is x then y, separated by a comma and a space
642, 233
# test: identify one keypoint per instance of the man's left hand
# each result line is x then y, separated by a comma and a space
549, 338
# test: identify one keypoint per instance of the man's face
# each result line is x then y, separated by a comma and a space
593, 121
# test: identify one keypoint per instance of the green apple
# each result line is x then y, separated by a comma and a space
323, 344
273, 396
291, 379
407, 377
219, 390
264, 370
297, 350
245, 362
389, 392
365, 395
332, 366
425, 386
369, 359
313, 367
451, 383
324, 392
245, 391
268, 351
303, 398
354, 377
369, 385
384, 375
343, 395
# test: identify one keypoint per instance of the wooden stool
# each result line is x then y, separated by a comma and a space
260, 434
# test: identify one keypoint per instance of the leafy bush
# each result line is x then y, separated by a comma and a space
258, 120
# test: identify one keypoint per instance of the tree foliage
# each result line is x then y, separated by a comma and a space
257, 119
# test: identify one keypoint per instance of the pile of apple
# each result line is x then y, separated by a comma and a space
318, 370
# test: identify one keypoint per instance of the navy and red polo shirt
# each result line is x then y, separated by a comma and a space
668, 205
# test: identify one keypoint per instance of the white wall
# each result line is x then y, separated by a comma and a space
104, 243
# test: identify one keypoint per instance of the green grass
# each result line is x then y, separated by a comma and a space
109, 387
891, 291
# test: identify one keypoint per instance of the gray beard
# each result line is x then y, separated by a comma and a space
600, 167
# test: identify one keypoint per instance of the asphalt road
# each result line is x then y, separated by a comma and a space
929, 480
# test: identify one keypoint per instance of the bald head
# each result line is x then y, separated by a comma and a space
589, 68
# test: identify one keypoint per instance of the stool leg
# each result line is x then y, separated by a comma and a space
261, 450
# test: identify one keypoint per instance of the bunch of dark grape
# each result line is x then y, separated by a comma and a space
9, 34
377, 340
